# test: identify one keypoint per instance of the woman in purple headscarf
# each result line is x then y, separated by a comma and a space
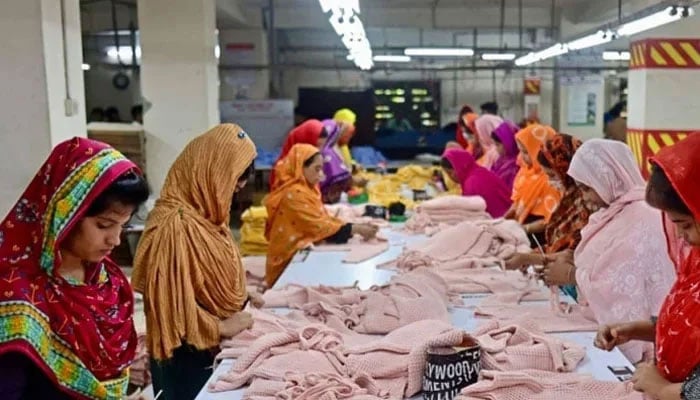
337, 178
506, 166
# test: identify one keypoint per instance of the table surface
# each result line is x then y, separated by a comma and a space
327, 268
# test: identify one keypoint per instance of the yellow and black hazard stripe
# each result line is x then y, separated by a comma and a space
646, 143
665, 53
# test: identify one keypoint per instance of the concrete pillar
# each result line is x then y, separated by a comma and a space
664, 82
179, 77
43, 97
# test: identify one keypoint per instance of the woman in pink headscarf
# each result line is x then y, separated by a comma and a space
477, 181
485, 125
506, 166
622, 269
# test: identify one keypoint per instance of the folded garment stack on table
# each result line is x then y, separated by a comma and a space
254, 272
415, 296
444, 211
386, 189
253, 240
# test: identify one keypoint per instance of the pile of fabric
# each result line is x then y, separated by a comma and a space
354, 214
253, 240
541, 385
254, 272
386, 189
465, 245
440, 212
320, 356
418, 295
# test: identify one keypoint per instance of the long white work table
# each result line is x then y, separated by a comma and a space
327, 268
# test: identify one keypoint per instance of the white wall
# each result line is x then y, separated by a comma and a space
250, 84
32, 118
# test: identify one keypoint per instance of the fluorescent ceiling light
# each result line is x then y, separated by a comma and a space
438, 52
217, 51
498, 56
616, 55
527, 59
391, 58
345, 20
552, 51
595, 39
124, 53
653, 21
86, 67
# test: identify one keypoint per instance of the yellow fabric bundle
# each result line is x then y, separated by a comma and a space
253, 240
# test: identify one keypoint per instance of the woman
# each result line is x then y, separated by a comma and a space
621, 268
506, 166
534, 199
296, 215
485, 125
187, 265
563, 232
673, 189
337, 177
66, 312
466, 131
476, 180
346, 120
310, 132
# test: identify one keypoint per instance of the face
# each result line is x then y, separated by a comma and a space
451, 173
501, 149
524, 154
591, 197
93, 238
322, 138
553, 178
314, 172
687, 227
242, 181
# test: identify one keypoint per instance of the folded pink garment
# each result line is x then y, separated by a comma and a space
491, 280
449, 210
510, 347
541, 385
330, 387
354, 215
414, 296
359, 250
254, 272
541, 316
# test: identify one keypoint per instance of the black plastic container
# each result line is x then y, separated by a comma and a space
448, 371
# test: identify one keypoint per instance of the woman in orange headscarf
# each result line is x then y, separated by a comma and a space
187, 265
297, 217
466, 132
534, 199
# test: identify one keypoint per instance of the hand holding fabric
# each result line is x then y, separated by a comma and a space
236, 324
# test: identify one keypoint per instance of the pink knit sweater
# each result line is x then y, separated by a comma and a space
541, 385
358, 250
414, 296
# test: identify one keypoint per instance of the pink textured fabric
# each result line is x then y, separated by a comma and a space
395, 362
542, 385
254, 272
623, 271
492, 280
478, 243
414, 296
331, 387
446, 210
510, 347
354, 215
358, 250
541, 316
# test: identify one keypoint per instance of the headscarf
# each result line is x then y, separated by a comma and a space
348, 118
81, 335
308, 132
532, 193
485, 125
187, 264
336, 173
297, 217
678, 326
506, 166
622, 270
564, 228
478, 181
466, 116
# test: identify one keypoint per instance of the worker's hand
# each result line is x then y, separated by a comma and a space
557, 273
648, 380
522, 261
611, 336
256, 299
562, 257
236, 324
359, 182
367, 231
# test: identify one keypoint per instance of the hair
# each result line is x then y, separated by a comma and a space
249, 172
496, 138
542, 159
130, 189
662, 195
446, 164
311, 159
324, 133
617, 109
490, 107
136, 110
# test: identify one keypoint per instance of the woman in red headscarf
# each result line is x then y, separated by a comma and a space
66, 327
310, 132
672, 188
